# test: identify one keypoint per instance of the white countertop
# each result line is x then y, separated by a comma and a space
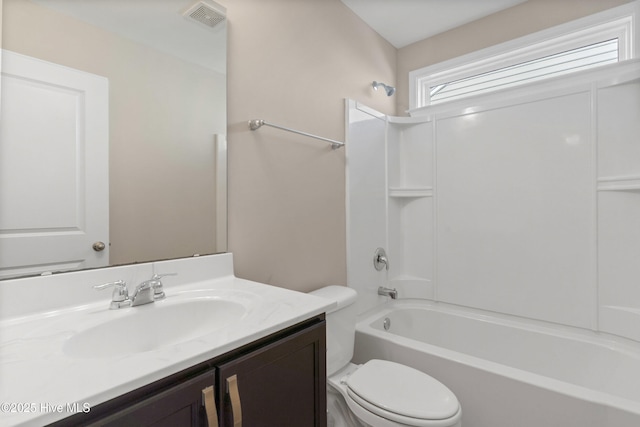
39, 383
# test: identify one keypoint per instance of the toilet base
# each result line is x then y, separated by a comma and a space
344, 412
338, 412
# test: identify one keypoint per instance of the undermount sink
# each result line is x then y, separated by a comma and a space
152, 326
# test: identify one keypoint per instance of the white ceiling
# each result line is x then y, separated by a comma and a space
402, 22
156, 23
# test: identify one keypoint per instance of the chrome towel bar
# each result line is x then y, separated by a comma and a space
258, 123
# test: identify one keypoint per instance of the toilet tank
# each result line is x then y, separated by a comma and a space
341, 326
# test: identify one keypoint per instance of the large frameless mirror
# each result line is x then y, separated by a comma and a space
113, 146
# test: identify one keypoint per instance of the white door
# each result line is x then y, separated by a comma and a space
54, 186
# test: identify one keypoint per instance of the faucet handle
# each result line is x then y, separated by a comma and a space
120, 293
160, 276
156, 283
120, 296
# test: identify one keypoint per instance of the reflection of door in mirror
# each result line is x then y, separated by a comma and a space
167, 114
53, 167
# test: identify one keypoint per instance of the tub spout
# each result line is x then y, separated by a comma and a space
387, 292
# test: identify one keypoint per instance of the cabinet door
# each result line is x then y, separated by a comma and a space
179, 406
280, 385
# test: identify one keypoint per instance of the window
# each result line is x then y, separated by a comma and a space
581, 58
600, 39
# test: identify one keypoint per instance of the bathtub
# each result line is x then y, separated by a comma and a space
507, 371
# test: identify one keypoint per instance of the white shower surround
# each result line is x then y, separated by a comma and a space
507, 371
524, 202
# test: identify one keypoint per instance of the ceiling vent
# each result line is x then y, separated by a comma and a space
205, 13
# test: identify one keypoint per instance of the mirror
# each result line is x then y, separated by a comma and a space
166, 80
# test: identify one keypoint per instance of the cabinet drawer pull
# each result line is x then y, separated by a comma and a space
234, 395
209, 403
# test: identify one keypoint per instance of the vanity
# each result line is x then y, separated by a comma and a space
218, 350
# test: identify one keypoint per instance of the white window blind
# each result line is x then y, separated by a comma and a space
582, 58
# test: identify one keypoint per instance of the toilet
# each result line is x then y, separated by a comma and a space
378, 393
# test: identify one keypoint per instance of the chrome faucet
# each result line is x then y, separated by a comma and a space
388, 292
143, 293
146, 292
149, 291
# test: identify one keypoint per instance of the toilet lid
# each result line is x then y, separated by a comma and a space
401, 390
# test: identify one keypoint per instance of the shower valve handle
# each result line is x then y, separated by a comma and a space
380, 260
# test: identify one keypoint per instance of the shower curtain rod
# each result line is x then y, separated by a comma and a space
257, 123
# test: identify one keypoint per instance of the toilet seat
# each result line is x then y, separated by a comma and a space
400, 394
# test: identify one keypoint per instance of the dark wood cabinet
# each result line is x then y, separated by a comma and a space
277, 381
180, 405
281, 384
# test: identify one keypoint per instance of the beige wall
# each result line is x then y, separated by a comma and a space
163, 115
293, 63
518, 21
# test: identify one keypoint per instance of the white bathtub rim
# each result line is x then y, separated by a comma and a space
613, 342
515, 374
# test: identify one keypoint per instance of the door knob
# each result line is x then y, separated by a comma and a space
98, 246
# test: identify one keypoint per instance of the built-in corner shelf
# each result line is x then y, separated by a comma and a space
410, 192
625, 183
409, 120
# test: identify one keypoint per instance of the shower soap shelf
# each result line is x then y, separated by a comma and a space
625, 183
410, 192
